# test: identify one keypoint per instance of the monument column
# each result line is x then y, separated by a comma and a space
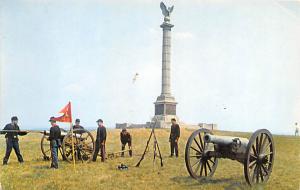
165, 105
166, 59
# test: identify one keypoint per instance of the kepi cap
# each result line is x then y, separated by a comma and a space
52, 119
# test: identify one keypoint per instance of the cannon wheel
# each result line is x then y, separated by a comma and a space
45, 147
84, 146
198, 163
259, 159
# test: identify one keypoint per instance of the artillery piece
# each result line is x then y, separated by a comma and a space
203, 149
84, 145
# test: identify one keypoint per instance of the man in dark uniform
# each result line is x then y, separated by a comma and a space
54, 138
77, 125
12, 140
78, 130
174, 137
125, 138
100, 141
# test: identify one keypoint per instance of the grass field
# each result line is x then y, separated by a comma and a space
34, 173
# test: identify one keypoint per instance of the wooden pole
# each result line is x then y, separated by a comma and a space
73, 154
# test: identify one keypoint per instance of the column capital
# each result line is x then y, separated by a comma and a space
166, 25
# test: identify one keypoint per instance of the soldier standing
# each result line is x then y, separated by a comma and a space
12, 140
125, 138
296, 130
54, 138
174, 137
100, 141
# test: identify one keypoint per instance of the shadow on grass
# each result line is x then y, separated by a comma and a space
229, 183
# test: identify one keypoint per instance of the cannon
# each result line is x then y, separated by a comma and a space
84, 145
203, 149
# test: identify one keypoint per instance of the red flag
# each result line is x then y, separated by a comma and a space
67, 114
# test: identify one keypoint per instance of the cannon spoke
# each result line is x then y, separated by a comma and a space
196, 162
257, 174
205, 170
265, 148
196, 156
252, 157
47, 151
264, 142
268, 154
198, 167
265, 170
212, 161
252, 163
254, 151
254, 173
256, 146
201, 150
260, 143
201, 170
195, 149
208, 166
261, 174
201, 142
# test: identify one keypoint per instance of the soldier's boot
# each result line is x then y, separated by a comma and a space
130, 153
4, 162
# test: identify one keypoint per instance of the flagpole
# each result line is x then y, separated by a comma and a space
73, 154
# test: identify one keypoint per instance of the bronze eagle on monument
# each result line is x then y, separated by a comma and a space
166, 11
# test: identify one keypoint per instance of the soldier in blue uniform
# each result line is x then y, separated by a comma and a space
100, 141
54, 138
12, 140
174, 137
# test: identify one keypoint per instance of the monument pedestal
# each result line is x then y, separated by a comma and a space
165, 110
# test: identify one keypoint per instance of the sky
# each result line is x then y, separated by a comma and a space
239, 55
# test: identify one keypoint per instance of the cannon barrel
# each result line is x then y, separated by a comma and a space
237, 144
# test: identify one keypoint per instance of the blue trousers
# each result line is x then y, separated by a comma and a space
54, 154
12, 144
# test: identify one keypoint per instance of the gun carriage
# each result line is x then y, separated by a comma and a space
203, 149
84, 145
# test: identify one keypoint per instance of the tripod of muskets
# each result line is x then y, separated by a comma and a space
156, 150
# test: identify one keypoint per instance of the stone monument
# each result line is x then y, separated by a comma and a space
165, 105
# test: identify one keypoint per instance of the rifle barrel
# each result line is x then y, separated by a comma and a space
17, 131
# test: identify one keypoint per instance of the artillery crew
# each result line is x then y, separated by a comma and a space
174, 137
54, 138
100, 141
125, 138
12, 140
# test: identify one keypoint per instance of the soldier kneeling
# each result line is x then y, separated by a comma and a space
125, 138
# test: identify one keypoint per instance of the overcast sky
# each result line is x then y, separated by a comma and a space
240, 55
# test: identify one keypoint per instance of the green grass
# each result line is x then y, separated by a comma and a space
34, 173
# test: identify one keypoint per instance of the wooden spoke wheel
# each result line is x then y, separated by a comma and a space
45, 147
84, 146
198, 162
259, 159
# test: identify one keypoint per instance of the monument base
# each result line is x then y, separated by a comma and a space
165, 110
163, 121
